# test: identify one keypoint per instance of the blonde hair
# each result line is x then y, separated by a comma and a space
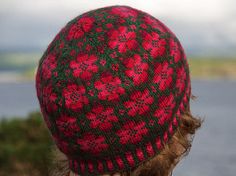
162, 164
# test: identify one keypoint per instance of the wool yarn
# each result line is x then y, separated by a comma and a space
112, 86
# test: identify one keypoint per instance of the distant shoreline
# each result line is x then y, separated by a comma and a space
13, 77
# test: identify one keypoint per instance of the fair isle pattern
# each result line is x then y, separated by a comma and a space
112, 86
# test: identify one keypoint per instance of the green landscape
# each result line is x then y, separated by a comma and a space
25, 146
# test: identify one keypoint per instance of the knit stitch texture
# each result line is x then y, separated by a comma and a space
112, 86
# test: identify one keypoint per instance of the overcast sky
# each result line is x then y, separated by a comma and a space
203, 26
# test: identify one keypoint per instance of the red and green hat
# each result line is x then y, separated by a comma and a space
112, 87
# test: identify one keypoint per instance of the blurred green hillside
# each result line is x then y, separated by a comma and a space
25, 146
24, 65
18, 61
21, 64
213, 68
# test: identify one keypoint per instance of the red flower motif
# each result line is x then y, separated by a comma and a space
181, 78
115, 67
74, 96
132, 132
164, 112
62, 44
48, 65
175, 50
137, 69
123, 12
102, 117
67, 125
153, 89
121, 111
139, 102
99, 29
145, 56
91, 143
163, 75
109, 87
63, 145
153, 42
78, 29
109, 25
123, 39
49, 99
72, 52
84, 66
185, 100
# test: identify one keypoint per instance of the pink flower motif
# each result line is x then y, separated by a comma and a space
113, 55
175, 50
123, 39
164, 112
67, 125
139, 102
132, 132
153, 42
101, 117
100, 49
91, 92
163, 75
75, 97
124, 12
137, 70
84, 66
102, 62
151, 122
91, 143
109, 87
78, 29
48, 65
49, 99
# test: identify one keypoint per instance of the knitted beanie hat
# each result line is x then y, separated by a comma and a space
112, 86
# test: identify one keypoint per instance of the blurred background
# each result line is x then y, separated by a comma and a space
207, 31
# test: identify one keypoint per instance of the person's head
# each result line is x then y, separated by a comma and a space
114, 90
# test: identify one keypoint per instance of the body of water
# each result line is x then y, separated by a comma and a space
214, 147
